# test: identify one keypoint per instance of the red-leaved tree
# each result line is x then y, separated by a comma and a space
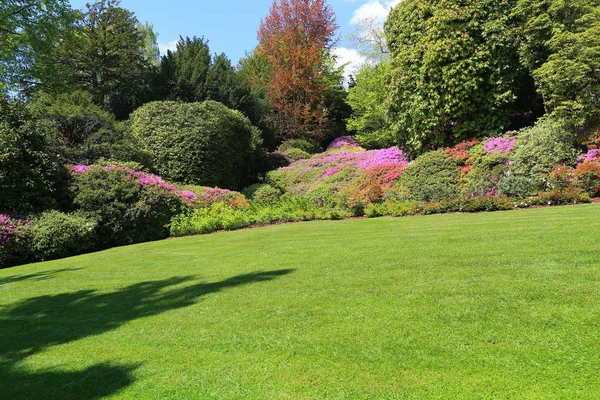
296, 38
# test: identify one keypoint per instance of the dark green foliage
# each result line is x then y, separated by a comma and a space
561, 48
432, 177
32, 176
199, 143
517, 186
125, 211
85, 132
184, 71
107, 56
56, 235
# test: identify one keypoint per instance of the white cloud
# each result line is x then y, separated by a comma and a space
351, 58
374, 9
163, 47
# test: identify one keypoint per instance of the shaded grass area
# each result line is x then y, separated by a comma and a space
494, 305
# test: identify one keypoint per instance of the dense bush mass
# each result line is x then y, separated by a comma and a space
32, 177
459, 106
129, 206
199, 143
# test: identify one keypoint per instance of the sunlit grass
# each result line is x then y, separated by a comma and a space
495, 305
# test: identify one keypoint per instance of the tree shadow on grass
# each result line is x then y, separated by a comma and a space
35, 324
38, 276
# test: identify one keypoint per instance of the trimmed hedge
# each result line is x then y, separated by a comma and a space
199, 143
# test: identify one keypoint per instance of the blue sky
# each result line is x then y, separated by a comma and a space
230, 25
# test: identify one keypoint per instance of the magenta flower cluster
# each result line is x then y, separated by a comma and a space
343, 141
331, 163
143, 178
591, 155
501, 144
11, 227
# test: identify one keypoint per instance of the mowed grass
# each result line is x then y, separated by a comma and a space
495, 306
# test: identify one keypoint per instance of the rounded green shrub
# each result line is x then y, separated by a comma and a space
431, 177
540, 148
308, 145
199, 143
55, 235
296, 154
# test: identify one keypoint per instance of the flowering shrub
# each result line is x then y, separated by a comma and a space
342, 142
587, 177
591, 155
460, 152
501, 144
153, 182
13, 234
129, 206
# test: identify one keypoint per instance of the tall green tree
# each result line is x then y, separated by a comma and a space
368, 97
29, 32
108, 57
184, 71
456, 71
561, 48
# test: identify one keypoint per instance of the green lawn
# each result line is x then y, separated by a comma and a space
495, 306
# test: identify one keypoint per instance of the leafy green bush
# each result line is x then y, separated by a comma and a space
296, 154
32, 176
485, 172
517, 186
540, 148
262, 193
308, 145
84, 131
125, 210
55, 235
199, 143
432, 177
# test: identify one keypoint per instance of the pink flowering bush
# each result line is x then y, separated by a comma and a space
13, 235
129, 206
153, 182
501, 144
342, 142
591, 155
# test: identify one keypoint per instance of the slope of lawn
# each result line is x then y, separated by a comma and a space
492, 305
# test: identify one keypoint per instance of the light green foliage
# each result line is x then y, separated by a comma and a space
199, 143
431, 177
262, 193
57, 235
310, 146
561, 47
151, 50
29, 30
540, 148
367, 98
455, 70
296, 154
